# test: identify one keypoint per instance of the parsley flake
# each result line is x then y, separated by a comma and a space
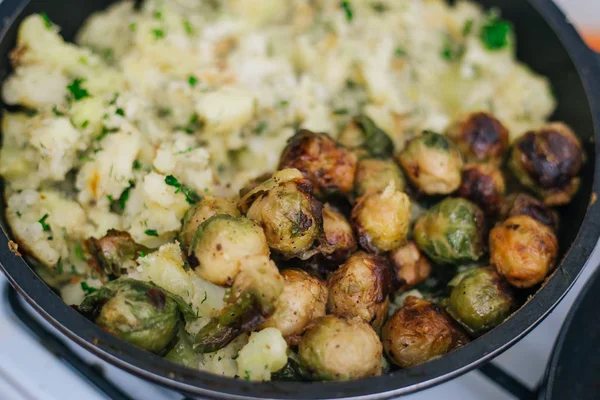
246, 375
235, 357
190, 196
77, 91
204, 299
158, 33
120, 112
137, 165
187, 26
45, 226
193, 81
87, 288
132, 26
85, 124
468, 27
19, 214
57, 112
59, 266
124, 198
47, 20
345, 4
151, 232
495, 33
79, 253
400, 52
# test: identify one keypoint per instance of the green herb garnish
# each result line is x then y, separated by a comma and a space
193, 81
120, 112
87, 289
137, 165
345, 4
495, 33
190, 196
151, 232
158, 33
79, 253
400, 52
45, 226
188, 27
468, 27
47, 20
124, 198
59, 266
77, 91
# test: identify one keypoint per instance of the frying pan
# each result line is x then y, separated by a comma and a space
546, 42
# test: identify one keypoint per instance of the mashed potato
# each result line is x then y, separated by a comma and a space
152, 108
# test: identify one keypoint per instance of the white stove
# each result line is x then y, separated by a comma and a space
29, 371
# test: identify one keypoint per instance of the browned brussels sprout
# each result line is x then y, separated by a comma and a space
375, 174
360, 288
328, 165
451, 232
483, 184
382, 219
362, 134
337, 349
222, 244
523, 250
285, 208
480, 299
338, 241
302, 301
114, 252
138, 312
410, 266
524, 204
200, 212
432, 163
480, 137
548, 161
420, 331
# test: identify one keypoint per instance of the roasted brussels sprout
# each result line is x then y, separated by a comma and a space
200, 212
451, 232
303, 300
138, 312
360, 288
523, 250
221, 245
375, 174
432, 163
480, 137
418, 332
293, 370
338, 241
339, 349
480, 299
382, 219
524, 204
362, 133
285, 208
114, 252
254, 295
410, 266
183, 352
547, 161
483, 184
329, 166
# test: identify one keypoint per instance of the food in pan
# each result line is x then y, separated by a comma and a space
300, 190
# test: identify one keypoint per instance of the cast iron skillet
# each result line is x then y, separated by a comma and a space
547, 42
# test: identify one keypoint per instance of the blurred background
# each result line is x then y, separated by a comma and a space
29, 371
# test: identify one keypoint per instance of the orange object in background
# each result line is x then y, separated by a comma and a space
593, 39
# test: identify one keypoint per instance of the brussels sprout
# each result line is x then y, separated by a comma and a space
362, 133
480, 137
293, 370
547, 161
410, 266
338, 241
200, 212
114, 252
290, 216
138, 312
339, 349
451, 232
374, 175
523, 250
480, 299
303, 300
524, 204
254, 295
329, 166
483, 184
360, 288
432, 163
418, 332
221, 245
183, 352
382, 219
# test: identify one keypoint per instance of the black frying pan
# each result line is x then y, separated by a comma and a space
547, 42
